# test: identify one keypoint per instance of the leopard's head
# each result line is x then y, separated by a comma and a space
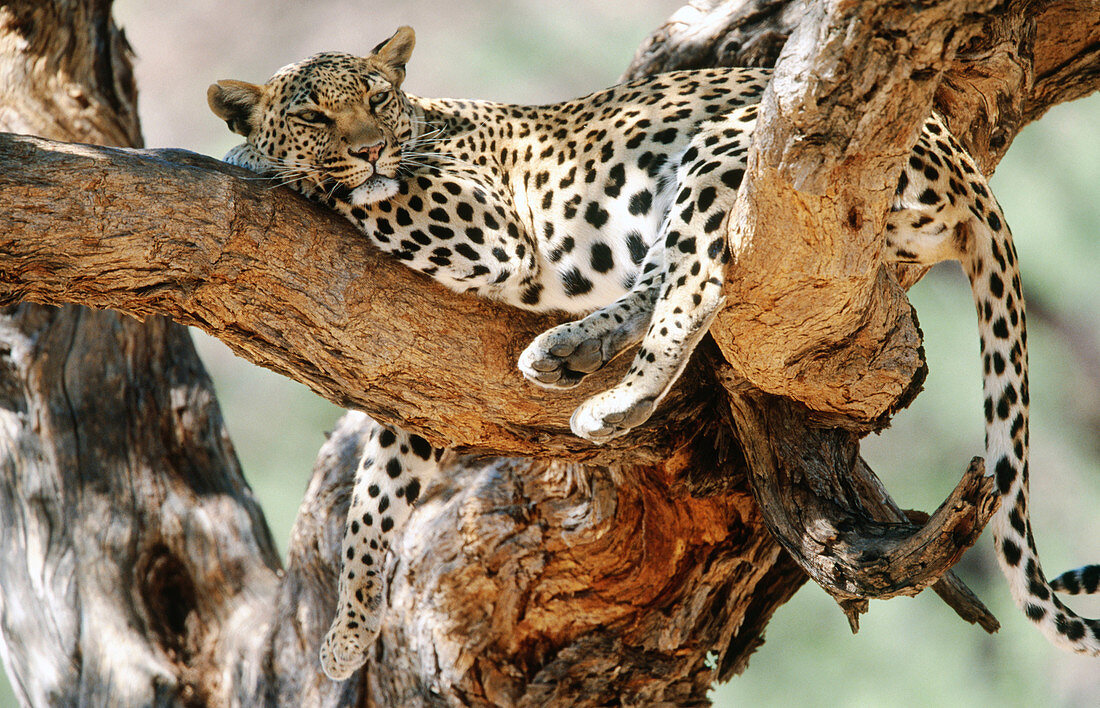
334, 120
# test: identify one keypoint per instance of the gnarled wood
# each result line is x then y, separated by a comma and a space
809, 169
117, 484
823, 520
136, 564
519, 581
809, 219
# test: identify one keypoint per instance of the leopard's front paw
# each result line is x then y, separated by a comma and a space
611, 414
561, 357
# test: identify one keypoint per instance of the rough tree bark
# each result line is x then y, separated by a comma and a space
572, 575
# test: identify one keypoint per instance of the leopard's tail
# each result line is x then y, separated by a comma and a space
1084, 580
994, 274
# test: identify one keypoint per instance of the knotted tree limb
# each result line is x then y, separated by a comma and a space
813, 205
833, 516
1028, 58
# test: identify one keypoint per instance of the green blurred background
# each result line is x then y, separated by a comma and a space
909, 652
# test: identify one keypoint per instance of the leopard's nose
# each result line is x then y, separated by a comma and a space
370, 153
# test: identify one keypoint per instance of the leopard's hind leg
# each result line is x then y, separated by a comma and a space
393, 470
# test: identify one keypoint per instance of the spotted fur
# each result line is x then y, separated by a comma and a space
614, 207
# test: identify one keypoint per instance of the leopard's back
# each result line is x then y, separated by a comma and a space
551, 207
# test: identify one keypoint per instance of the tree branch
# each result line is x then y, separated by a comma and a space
288, 286
842, 526
1026, 58
818, 168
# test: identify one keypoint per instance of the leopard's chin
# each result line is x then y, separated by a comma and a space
375, 189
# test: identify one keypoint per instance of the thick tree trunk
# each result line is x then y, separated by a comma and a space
572, 576
137, 567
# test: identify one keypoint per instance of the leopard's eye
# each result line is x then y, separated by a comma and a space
312, 116
379, 99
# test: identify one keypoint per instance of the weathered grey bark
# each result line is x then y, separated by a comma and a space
136, 565
519, 581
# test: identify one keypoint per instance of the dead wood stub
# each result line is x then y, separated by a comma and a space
830, 511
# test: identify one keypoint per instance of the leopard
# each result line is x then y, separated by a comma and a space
613, 209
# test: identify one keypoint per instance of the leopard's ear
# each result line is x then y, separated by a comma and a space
396, 50
235, 102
